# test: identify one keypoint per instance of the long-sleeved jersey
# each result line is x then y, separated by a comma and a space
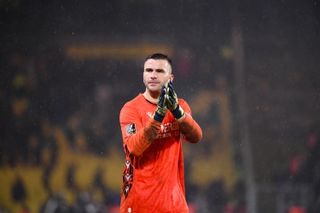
153, 177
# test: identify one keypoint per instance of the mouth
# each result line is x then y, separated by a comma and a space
153, 83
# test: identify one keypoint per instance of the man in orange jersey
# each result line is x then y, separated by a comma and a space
152, 124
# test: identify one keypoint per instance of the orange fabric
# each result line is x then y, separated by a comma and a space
154, 150
297, 209
190, 129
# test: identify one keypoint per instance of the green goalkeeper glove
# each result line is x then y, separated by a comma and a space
161, 106
172, 102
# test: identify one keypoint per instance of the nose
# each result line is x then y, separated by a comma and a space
154, 75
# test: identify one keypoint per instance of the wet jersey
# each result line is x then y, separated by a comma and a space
153, 177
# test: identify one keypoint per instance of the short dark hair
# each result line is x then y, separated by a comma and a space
159, 56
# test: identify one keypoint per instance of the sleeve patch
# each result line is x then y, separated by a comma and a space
131, 129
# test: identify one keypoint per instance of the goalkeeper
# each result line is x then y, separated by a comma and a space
152, 124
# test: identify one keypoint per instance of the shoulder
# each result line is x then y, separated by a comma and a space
185, 106
132, 105
183, 102
133, 102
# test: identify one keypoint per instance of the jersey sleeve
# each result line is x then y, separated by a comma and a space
190, 129
136, 137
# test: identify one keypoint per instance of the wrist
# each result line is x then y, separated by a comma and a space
178, 112
159, 114
158, 117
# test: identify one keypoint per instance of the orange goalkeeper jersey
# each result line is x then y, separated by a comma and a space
153, 177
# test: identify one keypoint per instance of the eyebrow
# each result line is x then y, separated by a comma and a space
158, 70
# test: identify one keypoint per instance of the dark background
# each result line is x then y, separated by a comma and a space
280, 83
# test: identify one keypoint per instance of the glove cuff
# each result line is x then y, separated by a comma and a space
178, 112
159, 114
158, 117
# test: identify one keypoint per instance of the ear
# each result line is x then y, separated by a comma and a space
171, 77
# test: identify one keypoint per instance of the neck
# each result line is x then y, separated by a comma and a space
151, 96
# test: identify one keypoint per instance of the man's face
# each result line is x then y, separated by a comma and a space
156, 73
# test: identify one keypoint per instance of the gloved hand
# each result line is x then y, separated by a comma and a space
161, 106
172, 101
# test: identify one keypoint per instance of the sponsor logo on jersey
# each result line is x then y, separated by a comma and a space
169, 130
149, 114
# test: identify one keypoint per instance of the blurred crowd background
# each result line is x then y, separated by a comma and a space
67, 67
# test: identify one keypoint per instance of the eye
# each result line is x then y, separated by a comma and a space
148, 70
160, 70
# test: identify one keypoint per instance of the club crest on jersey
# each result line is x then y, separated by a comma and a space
131, 129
